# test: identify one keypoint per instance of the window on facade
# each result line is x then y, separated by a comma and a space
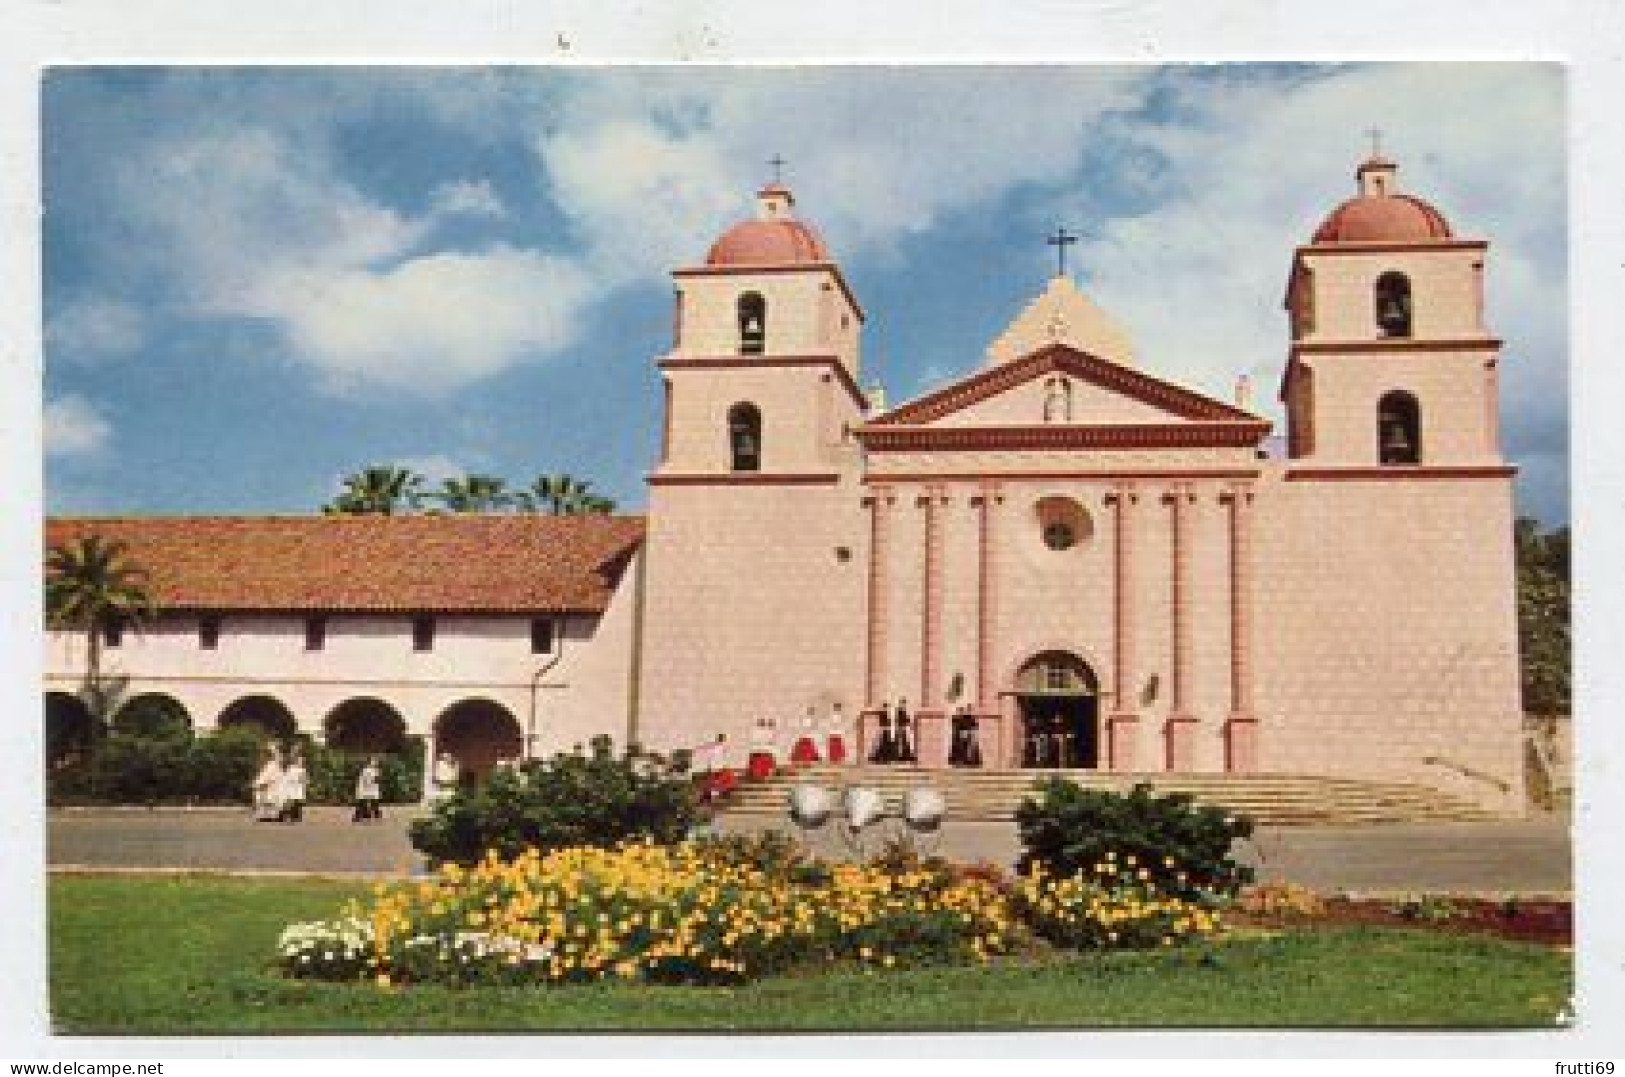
752, 323
1399, 429
113, 634
423, 633
745, 437
315, 633
1062, 522
541, 635
1393, 300
208, 632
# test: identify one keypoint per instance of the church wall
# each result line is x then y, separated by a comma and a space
485, 657
1454, 390
807, 314
751, 612
797, 435
1387, 632
1446, 299
1024, 405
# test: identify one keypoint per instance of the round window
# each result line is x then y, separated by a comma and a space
1062, 522
1059, 536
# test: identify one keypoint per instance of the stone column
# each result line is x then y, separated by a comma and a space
928, 713
1123, 721
879, 504
1241, 725
1180, 732
991, 722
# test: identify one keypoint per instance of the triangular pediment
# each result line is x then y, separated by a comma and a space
1062, 314
1060, 385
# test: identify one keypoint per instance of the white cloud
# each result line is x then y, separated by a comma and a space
474, 198
75, 427
662, 162
94, 328
1198, 279
430, 323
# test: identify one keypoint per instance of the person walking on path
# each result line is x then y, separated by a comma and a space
294, 782
267, 787
367, 793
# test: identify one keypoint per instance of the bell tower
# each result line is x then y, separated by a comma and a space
1391, 364
755, 494
762, 376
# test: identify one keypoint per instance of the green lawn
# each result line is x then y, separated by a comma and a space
150, 956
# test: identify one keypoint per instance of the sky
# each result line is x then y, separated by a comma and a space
259, 280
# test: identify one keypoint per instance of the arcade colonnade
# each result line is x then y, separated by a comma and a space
476, 728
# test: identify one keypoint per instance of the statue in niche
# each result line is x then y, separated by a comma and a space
1057, 401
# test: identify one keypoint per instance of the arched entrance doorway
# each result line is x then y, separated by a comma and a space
1058, 700
262, 712
366, 726
478, 734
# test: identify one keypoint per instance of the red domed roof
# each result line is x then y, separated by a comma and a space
1379, 218
775, 237
753, 243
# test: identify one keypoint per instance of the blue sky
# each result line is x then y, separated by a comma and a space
260, 279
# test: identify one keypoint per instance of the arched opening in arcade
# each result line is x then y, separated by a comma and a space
1058, 700
265, 713
365, 726
153, 714
70, 729
478, 734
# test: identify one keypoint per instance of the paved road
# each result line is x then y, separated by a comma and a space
1516, 857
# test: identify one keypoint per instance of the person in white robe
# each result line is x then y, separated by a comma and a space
267, 787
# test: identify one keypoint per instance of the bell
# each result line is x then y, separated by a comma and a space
1395, 442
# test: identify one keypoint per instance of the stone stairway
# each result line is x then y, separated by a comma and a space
1270, 799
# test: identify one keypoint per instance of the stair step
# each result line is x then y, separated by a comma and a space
1272, 799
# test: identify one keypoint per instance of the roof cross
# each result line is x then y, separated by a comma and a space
778, 164
1061, 240
1375, 135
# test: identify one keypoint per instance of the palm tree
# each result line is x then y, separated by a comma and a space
381, 490
474, 493
566, 495
92, 587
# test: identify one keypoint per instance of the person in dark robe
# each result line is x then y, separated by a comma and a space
963, 751
885, 749
1059, 742
973, 740
901, 725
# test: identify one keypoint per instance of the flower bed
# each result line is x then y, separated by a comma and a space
710, 913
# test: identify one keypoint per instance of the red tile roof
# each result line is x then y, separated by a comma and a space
431, 564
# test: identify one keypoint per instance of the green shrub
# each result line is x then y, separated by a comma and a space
221, 765
153, 716
1182, 847
591, 798
129, 769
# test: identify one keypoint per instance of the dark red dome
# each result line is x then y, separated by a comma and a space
774, 238
1383, 218
759, 243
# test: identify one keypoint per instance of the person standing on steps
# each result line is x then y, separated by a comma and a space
885, 749
835, 736
905, 741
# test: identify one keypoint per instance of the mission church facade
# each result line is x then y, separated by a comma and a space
1061, 541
